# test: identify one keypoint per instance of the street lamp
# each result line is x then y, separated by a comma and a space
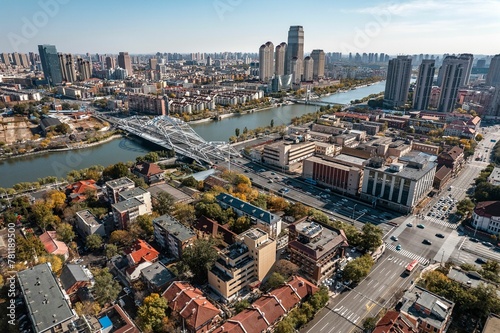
353, 210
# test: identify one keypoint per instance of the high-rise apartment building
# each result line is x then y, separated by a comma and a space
5, 58
266, 61
125, 62
308, 68
452, 72
16, 59
319, 63
85, 69
424, 84
398, 82
294, 49
279, 60
67, 65
467, 60
50, 64
110, 62
152, 63
493, 77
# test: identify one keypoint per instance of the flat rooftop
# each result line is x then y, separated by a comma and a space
254, 233
88, 217
174, 227
120, 182
123, 206
351, 160
132, 193
328, 162
177, 194
47, 305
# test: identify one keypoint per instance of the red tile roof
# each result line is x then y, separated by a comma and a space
148, 169
82, 186
269, 308
142, 250
52, 245
190, 303
397, 322
488, 208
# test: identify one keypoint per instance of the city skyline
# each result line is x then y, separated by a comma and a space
240, 26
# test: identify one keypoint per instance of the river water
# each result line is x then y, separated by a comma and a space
31, 168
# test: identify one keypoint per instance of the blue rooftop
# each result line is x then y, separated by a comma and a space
251, 210
105, 322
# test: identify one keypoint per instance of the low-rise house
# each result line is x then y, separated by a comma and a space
78, 191
141, 251
486, 217
48, 123
47, 305
115, 320
150, 172
157, 277
198, 313
442, 176
453, 159
210, 227
52, 245
432, 312
264, 219
394, 321
270, 308
74, 277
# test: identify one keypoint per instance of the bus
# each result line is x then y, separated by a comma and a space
411, 266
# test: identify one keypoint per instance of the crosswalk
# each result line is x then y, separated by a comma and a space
347, 314
408, 254
441, 222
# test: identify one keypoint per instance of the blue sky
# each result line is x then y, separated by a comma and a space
394, 27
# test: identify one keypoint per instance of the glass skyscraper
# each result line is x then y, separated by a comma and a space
50, 64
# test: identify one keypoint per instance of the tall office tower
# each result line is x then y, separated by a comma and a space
319, 63
398, 82
467, 59
209, 61
452, 73
84, 69
67, 66
266, 62
295, 48
382, 57
424, 84
350, 57
152, 63
308, 68
279, 59
110, 62
50, 64
125, 62
16, 59
493, 77
32, 58
375, 57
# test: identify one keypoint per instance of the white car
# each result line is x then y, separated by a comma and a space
126, 290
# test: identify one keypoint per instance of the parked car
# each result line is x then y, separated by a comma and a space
440, 235
427, 242
394, 238
409, 225
421, 226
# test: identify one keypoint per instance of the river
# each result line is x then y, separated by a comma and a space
31, 168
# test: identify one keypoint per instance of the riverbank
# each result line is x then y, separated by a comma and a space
74, 147
234, 114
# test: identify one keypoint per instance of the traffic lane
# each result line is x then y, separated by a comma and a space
412, 238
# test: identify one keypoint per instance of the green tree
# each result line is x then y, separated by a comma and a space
369, 324
121, 237
29, 247
285, 326
111, 250
145, 223
274, 281
65, 232
237, 132
465, 206
272, 123
241, 305
151, 157
42, 214
163, 203
319, 299
241, 224
63, 128
371, 237
106, 289
116, 171
151, 313
358, 268
185, 213
93, 242
245, 130
200, 257
297, 210
190, 182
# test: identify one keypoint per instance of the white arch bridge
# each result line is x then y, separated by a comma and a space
173, 133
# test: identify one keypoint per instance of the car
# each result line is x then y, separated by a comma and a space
409, 225
347, 282
481, 261
353, 250
474, 240
421, 226
273, 173
394, 238
126, 290
78, 261
270, 181
427, 242
439, 235
488, 244
398, 247
137, 302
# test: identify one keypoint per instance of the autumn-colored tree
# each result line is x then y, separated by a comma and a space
55, 199
94, 242
121, 237
151, 313
105, 288
56, 262
65, 232
42, 214
87, 308
184, 212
